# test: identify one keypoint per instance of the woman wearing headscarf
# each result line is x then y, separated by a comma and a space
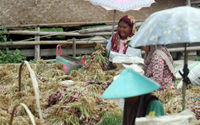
159, 66
118, 42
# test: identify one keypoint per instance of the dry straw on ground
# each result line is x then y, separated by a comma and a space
76, 103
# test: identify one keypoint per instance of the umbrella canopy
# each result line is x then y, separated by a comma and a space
129, 84
171, 26
177, 25
122, 5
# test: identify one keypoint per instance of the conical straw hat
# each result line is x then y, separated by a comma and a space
130, 84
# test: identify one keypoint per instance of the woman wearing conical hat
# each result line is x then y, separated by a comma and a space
136, 90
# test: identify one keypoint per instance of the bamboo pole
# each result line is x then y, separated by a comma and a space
103, 29
31, 116
51, 52
31, 43
20, 32
74, 47
37, 47
70, 24
99, 29
35, 85
194, 2
181, 49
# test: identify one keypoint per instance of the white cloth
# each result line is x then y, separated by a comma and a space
130, 52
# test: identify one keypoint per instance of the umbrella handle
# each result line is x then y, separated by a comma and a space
185, 75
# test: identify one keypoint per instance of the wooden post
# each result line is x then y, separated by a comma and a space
74, 47
37, 47
188, 2
114, 16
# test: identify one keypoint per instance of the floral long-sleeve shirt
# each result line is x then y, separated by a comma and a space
158, 71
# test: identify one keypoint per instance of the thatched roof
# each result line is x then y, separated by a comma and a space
15, 12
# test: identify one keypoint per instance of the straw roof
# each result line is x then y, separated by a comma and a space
16, 12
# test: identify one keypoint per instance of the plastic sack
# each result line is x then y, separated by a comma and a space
69, 63
186, 117
194, 74
131, 52
125, 60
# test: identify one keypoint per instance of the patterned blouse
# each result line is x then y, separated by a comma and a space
158, 71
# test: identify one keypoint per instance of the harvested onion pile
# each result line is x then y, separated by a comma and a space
76, 104
172, 100
79, 103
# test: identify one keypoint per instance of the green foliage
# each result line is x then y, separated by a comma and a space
52, 29
49, 29
111, 119
3, 37
33, 61
198, 58
86, 27
8, 56
176, 83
